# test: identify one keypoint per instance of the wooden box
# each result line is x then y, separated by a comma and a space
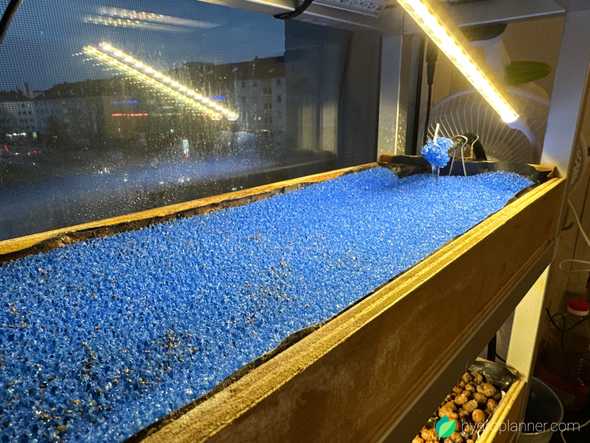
378, 370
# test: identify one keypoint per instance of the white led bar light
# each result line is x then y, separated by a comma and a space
115, 58
451, 46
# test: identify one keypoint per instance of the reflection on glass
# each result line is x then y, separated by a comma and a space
128, 18
230, 99
112, 57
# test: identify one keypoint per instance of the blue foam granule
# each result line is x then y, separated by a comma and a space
101, 338
437, 152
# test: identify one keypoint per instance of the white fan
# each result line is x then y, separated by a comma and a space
467, 112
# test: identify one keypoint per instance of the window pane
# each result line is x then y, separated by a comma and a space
108, 107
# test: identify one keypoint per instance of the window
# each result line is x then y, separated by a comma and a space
108, 142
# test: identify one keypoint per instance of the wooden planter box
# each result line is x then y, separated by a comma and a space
500, 428
380, 367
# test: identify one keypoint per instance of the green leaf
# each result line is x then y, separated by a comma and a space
520, 72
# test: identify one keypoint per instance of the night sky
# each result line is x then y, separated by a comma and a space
45, 36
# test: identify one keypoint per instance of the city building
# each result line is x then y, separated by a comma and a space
93, 109
260, 92
17, 113
256, 88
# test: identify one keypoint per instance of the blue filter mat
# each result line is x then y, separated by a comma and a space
101, 338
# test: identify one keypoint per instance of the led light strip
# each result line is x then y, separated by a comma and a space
450, 45
123, 62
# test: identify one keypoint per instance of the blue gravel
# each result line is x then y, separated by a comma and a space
101, 338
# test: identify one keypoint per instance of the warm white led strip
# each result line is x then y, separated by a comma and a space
450, 45
123, 62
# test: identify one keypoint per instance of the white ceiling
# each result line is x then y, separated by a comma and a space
374, 7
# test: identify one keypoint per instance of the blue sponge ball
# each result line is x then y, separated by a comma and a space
437, 152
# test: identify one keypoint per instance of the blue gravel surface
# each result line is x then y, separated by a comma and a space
101, 338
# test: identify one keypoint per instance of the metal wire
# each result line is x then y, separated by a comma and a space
461, 147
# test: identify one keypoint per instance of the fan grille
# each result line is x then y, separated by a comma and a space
467, 112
